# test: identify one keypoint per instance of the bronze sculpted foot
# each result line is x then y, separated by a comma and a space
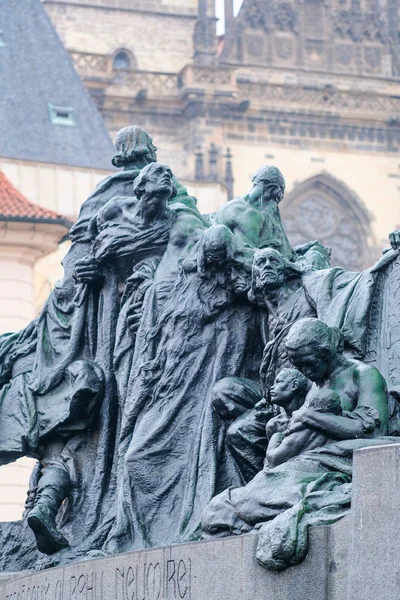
53, 488
42, 522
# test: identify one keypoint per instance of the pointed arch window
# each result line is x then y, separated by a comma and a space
325, 208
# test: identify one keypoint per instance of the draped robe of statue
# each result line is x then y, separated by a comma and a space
173, 457
78, 322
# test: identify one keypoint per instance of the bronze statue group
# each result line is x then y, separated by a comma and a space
191, 376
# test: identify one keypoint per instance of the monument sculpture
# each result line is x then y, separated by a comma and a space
193, 376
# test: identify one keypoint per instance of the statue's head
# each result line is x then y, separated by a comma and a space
288, 382
154, 184
241, 279
270, 270
133, 146
311, 346
217, 249
325, 401
268, 185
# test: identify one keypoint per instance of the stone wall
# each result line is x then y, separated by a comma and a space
58, 187
156, 42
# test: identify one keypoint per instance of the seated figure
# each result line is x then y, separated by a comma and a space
306, 463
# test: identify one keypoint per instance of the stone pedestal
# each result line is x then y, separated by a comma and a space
374, 566
220, 570
355, 559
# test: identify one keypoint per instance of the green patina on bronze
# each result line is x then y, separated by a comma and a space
194, 375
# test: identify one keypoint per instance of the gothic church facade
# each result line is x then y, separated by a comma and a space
310, 85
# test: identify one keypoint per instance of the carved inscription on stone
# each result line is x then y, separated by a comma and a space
157, 578
49, 589
87, 586
170, 579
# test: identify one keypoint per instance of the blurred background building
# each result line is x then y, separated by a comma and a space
312, 86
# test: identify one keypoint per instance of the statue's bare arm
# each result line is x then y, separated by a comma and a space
371, 392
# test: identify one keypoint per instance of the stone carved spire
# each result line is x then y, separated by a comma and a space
199, 165
229, 180
204, 36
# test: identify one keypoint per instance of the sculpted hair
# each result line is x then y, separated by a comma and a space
145, 174
226, 238
326, 340
133, 144
326, 401
272, 175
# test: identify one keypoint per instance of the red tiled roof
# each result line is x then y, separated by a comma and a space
14, 206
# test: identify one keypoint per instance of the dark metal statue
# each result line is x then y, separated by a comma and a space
191, 365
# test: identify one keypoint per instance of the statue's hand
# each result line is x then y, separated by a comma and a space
394, 239
298, 421
276, 425
86, 270
264, 411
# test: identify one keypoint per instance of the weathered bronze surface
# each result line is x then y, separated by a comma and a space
194, 375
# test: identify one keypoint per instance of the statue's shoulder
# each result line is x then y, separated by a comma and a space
367, 373
232, 208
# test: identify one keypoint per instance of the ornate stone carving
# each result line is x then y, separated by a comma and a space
373, 27
344, 54
373, 56
322, 98
323, 208
211, 76
357, 26
86, 63
255, 45
285, 17
342, 24
284, 46
256, 14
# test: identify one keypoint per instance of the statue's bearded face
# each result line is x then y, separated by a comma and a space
264, 190
269, 269
310, 361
